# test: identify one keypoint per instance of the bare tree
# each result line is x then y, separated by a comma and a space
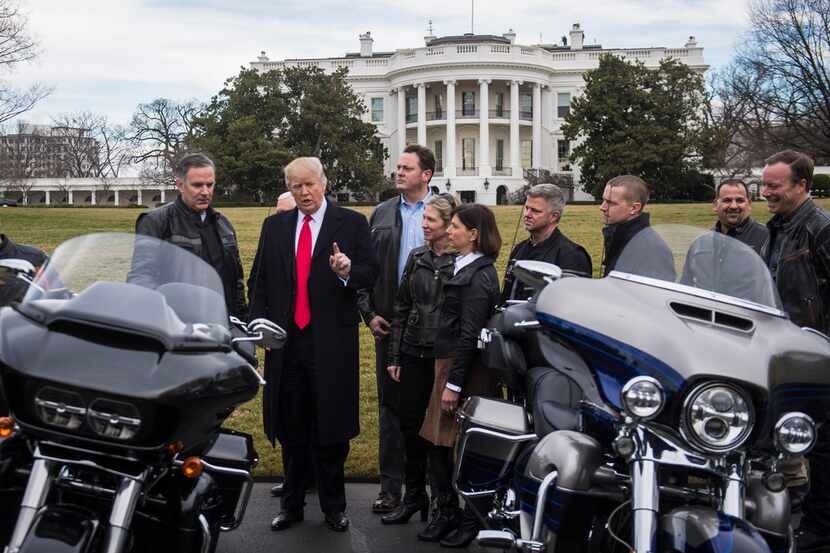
16, 46
781, 76
159, 132
92, 148
22, 158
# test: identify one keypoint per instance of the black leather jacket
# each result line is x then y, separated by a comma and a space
183, 227
385, 225
648, 255
798, 254
10, 250
418, 304
470, 298
750, 232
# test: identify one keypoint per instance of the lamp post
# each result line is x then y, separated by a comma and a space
448, 185
486, 185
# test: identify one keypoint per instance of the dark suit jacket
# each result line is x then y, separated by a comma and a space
334, 314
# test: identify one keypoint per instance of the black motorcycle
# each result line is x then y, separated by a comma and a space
120, 366
659, 409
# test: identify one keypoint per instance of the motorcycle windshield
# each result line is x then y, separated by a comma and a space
699, 262
132, 284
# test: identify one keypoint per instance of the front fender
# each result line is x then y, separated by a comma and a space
704, 530
61, 529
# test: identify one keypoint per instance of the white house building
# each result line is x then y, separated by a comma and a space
489, 108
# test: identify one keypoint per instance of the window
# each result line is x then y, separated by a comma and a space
564, 149
439, 108
499, 105
468, 104
468, 149
499, 154
377, 110
439, 155
527, 153
563, 104
411, 109
526, 106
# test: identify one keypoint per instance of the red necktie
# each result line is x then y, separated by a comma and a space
302, 309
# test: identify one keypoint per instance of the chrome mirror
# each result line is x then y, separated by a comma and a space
536, 274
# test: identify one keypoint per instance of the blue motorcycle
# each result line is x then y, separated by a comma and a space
659, 409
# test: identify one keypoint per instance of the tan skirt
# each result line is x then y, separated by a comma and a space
441, 428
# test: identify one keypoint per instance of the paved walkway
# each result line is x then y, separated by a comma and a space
366, 534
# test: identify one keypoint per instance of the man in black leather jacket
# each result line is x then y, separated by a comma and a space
192, 224
396, 230
11, 250
733, 206
798, 255
542, 214
623, 201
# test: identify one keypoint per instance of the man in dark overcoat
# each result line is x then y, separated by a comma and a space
310, 262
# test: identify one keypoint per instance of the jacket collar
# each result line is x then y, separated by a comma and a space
792, 219
7, 246
463, 277
738, 230
625, 230
193, 215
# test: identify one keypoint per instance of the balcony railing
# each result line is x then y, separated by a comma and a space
467, 171
436, 115
499, 114
411, 117
466, 114
526, 115
503, 171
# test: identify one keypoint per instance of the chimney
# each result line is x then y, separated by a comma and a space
510, 35
577, 36
692, 42
366, 45
262, 57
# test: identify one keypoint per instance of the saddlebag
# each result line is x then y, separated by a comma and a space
491, 435
232, 458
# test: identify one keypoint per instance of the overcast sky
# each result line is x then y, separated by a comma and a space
107, 56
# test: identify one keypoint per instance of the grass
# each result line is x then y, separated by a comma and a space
46, 228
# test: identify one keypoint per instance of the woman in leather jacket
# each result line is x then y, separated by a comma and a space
470, 298
412, 344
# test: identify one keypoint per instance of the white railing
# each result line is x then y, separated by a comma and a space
500, 49
466, 49
435, 51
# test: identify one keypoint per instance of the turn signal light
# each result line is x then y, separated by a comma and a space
192, 467
6, 427
174, 447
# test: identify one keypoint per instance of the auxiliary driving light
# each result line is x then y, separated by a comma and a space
795, 433
642, 398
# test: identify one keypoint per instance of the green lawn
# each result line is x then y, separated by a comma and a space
47, 228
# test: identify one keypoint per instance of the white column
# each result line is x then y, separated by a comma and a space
69, 196
515, 157
48, 198
449, 161
140, 200
536, 161
92, 197
401, 121
484, 128
161, 194
115, 198
422, 114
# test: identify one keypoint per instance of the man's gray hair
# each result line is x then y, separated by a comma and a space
191, 161
310, 163
551, 193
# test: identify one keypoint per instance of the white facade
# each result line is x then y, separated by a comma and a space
115, 192
489, 108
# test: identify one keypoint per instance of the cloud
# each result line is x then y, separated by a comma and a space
109, 56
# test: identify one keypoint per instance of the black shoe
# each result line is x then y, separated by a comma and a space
462, 537
285, 520
277, 489
385, 503
811, 542
409, 506
338, 522
442, 523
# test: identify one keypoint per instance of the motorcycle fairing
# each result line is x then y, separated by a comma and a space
613, 362
703, 530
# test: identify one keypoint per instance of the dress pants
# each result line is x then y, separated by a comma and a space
301, 447
417, 375
390, 438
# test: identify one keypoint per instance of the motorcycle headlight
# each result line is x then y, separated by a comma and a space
717, 417
795, 433
60, 407
642, 398
114, 419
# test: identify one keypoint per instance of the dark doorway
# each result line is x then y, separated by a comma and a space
501, 195
467, 196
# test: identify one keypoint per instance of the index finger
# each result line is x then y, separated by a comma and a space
335, 248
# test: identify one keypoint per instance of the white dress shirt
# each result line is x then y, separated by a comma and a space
314, 225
